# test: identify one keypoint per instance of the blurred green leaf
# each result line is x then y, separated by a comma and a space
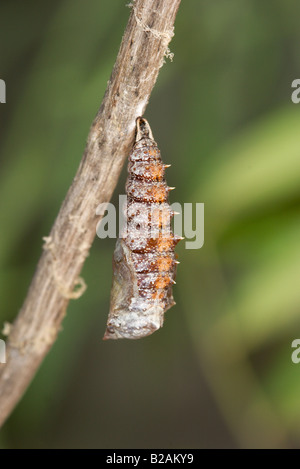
257, 169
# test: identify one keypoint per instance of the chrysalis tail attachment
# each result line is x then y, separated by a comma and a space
143, 129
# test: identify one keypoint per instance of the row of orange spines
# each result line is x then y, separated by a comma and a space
146, 181
148, 211
155, 273
154, 261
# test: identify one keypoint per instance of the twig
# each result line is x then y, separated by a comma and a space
144, 45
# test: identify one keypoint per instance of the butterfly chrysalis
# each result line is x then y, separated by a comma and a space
144, 262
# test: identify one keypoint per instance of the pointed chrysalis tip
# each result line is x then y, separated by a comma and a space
143, 129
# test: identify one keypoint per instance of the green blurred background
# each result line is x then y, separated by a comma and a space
219, 374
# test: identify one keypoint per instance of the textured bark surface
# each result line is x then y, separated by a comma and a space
144, 45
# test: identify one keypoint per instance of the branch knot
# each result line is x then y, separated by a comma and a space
79, 286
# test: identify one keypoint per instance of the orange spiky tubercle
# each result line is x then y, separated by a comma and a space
144, 260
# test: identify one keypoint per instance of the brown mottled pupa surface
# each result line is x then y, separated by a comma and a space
144, 262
